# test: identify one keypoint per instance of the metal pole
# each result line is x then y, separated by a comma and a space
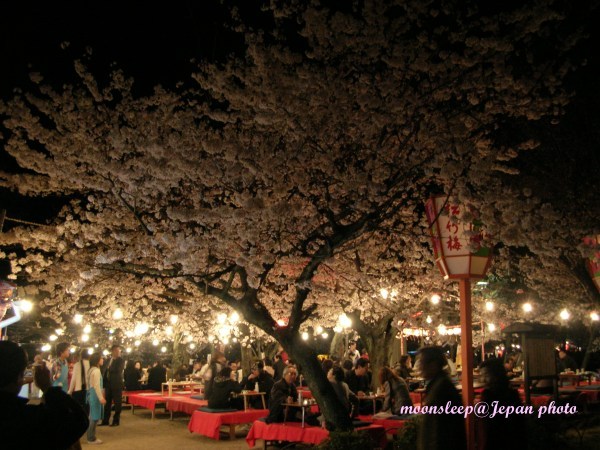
467, 357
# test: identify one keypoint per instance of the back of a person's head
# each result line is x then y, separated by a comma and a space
362, 362
404, 360
385, 374
347, 364
433, 355
327, 364
225, 372
496, 373
338, 373
13, 361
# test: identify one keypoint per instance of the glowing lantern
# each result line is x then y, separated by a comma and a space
456, 246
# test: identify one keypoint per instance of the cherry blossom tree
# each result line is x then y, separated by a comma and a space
309, 155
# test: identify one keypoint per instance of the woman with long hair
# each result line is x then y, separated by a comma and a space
95, 396
396, 391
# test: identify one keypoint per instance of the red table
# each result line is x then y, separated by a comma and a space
149, 400
208, 424
390, 425
293, 432
186, 405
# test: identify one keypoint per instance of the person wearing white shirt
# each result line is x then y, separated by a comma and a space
78, 385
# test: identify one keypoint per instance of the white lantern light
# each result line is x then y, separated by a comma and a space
235, 317
163, 349
85, 337
594, 316
305, 336
319, 329
527, 307
489, 306
137, 343
174, 319
128, 349
491, 327
118, 314
384, 293
564, 314
105, 352
77, 318
90, 351
53, 337
429, 319
435, 299
324, 335
345, 321
155, 342
46, 347
87, 329
442, 329
73, 350
222, 318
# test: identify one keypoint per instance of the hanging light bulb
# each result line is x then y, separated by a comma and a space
489, 306
173, 319
118, 314
87, 329
305, 336
435, 299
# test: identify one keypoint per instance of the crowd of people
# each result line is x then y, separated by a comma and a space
89, 392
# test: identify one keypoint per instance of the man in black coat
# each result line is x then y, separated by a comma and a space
113, 385
265, 384
284, 391
439, 431
157, 376
57, 423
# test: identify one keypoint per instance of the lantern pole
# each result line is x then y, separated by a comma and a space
467, 357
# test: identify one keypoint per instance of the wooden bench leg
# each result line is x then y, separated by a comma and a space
232, 431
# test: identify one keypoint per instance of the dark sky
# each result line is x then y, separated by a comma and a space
152, 43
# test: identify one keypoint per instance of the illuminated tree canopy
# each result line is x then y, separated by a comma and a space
289, 181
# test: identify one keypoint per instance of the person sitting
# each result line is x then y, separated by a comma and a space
57, 423
347, 397
358, 382
182, 373
283, 391
500, 432
396, 392
265, 384
223, 388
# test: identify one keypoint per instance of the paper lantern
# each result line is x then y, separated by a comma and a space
456, 245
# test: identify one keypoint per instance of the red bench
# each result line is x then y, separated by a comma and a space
294, 432
208, 423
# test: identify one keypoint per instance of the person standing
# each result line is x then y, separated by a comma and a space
352, 353
113, 382
60, 367
95, 397
78, 385
439, 431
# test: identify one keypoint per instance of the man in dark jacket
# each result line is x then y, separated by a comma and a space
57, 423
223, 388
439, 431
284, 391
113, 386
265, 384
157, 376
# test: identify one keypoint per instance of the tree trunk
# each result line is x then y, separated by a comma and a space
377, 338
586, 358
179, 352
334, 411
337, 346
247, 356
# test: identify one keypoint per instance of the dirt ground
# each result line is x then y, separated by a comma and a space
139, 431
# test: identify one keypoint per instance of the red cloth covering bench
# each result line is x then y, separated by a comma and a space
391, 426
293, 432
149, 400
208, 424
186, 405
